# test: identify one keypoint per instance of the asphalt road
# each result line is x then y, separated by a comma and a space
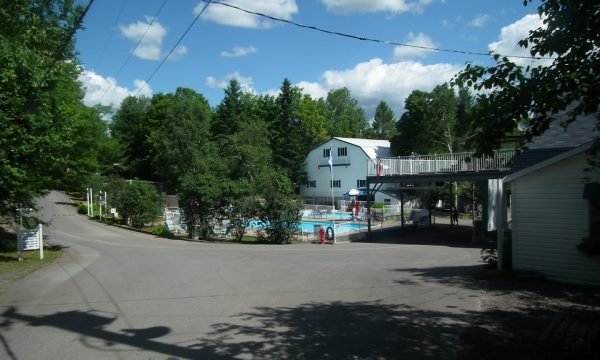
116, 294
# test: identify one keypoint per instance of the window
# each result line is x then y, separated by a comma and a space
311, 184
343, 151
326, 153
336, 183
361, 183
387, 201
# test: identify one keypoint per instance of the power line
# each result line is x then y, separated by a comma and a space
110, 34
364, 38
136, 46
173, 48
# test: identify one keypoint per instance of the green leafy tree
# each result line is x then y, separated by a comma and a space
441, 115
413, 127
228, 114
132, 128
569, 85
280, 209
343, 115
182, 134
285, 138
38, 94
140, 203
383, 123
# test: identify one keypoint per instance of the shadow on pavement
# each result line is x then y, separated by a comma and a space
438, 234
337, 330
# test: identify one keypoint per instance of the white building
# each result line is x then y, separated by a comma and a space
555, 213
350, 159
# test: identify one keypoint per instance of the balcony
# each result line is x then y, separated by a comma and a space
501, 160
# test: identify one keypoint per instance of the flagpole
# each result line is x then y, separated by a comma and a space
332, 198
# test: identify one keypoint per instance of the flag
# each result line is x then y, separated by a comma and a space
330, 161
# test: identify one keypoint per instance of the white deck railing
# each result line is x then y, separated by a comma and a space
440, 163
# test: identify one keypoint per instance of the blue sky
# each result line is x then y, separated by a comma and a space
225, 43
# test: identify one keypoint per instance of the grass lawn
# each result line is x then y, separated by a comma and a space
11, 268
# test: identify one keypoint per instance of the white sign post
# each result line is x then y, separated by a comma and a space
31, 240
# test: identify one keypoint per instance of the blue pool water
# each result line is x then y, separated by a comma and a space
338, 215
308, 226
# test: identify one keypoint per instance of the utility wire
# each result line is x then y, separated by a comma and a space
136, 46
110, 34
173, 48
364, 38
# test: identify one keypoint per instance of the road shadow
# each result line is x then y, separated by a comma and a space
339, 330
336, 330
91, 325
455, 276
438, 235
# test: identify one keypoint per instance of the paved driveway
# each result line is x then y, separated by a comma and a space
116, 294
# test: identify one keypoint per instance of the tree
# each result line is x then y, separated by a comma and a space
38, 95
441, 114
540, 94
383, 123
413, 126
181, 135
286, 142
132, 128
343, 115
140, 203
228, 114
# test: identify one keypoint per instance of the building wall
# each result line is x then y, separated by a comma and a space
550, 218
347, 169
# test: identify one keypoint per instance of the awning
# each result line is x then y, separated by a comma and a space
591, 190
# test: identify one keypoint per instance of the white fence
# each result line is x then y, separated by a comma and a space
441, 163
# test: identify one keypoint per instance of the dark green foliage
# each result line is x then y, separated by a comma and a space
139, 203
343, 115
39, 96
434, 122
536, 94
280, 210
181, 134
383, 123
132, 128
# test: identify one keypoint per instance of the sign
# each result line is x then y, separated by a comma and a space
31, 239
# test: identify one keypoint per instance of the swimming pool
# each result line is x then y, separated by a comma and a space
325, 214
310, 226
340, 228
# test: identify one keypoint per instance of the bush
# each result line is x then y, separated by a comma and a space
160, 230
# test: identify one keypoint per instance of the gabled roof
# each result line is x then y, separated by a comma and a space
373, 148
548, 161
554, 141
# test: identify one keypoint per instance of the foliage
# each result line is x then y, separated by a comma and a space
343, 115
383, 123
132, 128
284, 131
434, 122
39, 96
280, 210
140, 202
489, 256
181, 134
537, 94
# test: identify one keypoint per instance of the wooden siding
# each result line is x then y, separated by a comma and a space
550, 218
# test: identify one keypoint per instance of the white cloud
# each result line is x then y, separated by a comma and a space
420, 39
239, 51
245, 82
151, 38
365, 6
373, 81
151, 35
479, 21
225, 15
105, 91
510, 35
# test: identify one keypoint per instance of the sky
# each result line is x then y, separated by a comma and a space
124, 42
